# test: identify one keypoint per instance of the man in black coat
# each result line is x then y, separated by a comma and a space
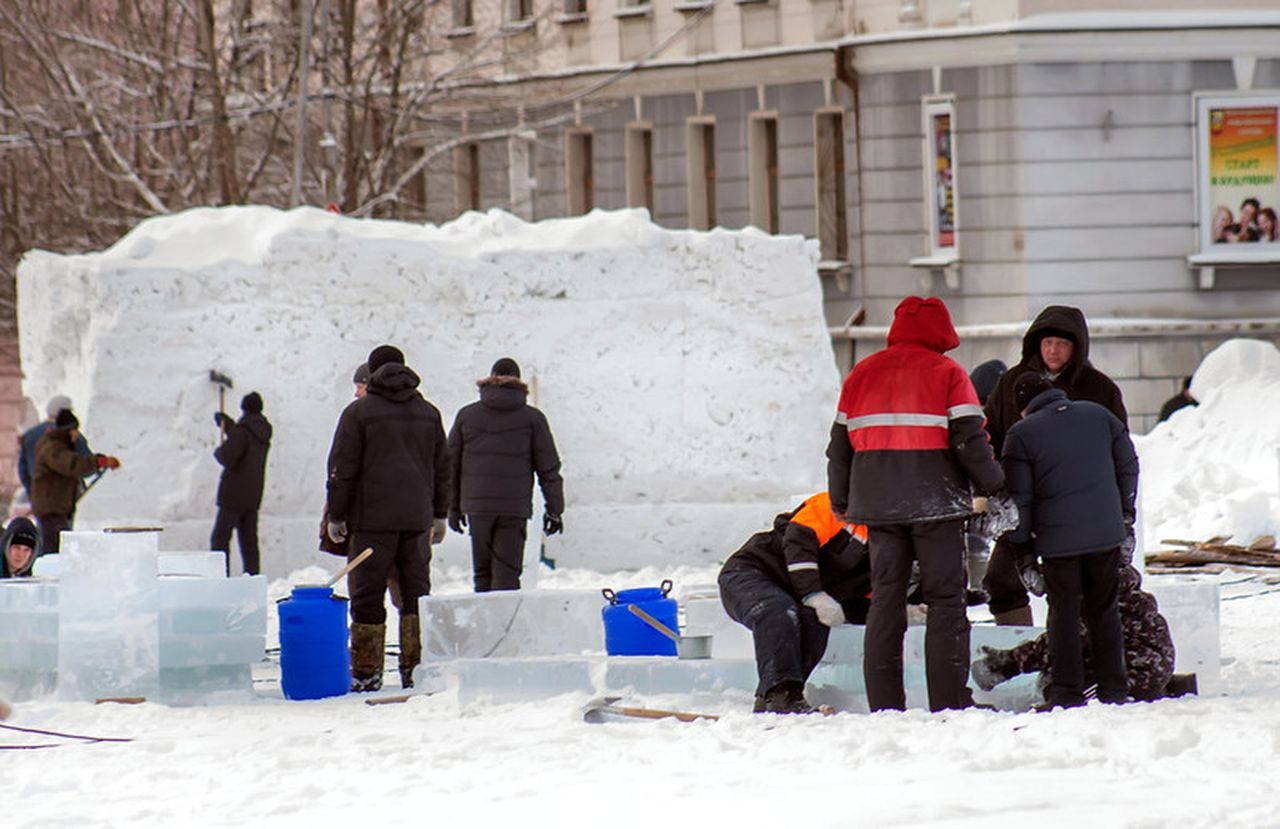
1057, 345
243, 455
496, 446
1072, 471
388, 490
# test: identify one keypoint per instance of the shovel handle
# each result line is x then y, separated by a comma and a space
351, 565
655, 624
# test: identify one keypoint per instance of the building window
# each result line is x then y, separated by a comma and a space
639, 164
575, 8
464, 16
762, 170
520, 10
579, 186
829, 172
940, 175
700, 144
466, 177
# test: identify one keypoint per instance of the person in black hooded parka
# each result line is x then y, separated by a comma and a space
388, 490
243, 455
1057, 345
19, 548
496, 445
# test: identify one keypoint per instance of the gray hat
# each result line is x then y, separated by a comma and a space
362, 374
56, 404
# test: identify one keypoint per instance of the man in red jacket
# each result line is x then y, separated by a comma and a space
907, 452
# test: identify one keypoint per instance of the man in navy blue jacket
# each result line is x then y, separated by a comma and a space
1073, 473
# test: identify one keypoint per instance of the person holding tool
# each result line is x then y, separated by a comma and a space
243, 455
56, 483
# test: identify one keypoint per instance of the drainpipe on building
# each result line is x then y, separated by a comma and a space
847, 76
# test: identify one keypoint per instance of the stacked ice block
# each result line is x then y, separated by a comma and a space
108, 615
28, 638
110, 626
511, 623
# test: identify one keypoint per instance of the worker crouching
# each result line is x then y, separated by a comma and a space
789, 586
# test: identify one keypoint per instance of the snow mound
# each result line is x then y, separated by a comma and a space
688, 377
1214, 469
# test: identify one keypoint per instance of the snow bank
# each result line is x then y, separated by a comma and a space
688, 376
1214, 469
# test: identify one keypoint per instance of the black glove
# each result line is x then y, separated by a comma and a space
1127, 546
552, 524
1029, 573
1000, 516
457, 521
222, 420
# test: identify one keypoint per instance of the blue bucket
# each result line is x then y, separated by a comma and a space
315, 661
626, 634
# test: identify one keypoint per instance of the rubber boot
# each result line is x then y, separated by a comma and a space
368, 646
410, 648
787, 698
1018, 617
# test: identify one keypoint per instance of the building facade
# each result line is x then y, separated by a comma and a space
1003, 155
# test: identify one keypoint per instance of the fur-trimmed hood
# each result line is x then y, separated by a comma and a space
503, 392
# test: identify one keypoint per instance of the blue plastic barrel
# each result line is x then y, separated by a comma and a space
626, 634
315, 661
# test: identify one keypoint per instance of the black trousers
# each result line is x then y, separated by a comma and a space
51, 527
789, 639
497, 551
1002, 582
1087, 585
409, 552
245, 524
939, 547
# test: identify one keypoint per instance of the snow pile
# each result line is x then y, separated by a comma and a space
1214, 469
688, 377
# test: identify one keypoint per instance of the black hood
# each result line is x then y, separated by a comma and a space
395, 382
19, 526
1064, 319
503, 392
258, 428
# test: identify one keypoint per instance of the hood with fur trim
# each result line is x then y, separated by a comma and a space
503, 392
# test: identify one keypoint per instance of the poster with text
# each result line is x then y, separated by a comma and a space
1240, 188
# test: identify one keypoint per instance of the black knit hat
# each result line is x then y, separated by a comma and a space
506, 367
1061, 333
1027, 387
362, 374
25, 537
384, 354
251, 403
66, 420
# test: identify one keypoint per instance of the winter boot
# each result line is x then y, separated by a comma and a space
1182, 684
368, 645
410, 648
759, 706
787, 698
992, 667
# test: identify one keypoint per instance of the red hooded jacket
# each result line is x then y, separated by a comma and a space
908, 443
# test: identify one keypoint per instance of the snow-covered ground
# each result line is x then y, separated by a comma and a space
1187, 762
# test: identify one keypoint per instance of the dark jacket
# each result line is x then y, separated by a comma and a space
27, 455
1079, 379
389, 464
808, 550
244, 458
495, 446
27, 527
59, 468
1072, 471
908, 439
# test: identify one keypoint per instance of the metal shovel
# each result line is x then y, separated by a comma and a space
687, 647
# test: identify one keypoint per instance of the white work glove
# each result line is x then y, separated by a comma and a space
438, 528
829, 611
338, 531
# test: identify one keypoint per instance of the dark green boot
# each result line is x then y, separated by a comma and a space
368, 646
410, 648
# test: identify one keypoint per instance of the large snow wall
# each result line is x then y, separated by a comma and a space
688, 377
